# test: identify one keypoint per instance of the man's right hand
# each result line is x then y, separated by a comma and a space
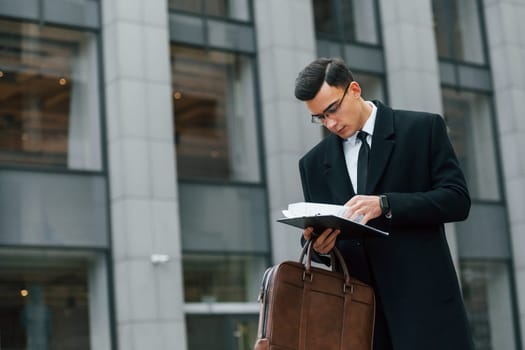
325, 242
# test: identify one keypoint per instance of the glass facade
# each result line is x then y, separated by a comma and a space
488, 300
458, 28
471, 130
214, 108
231, 9
223, 210
216, 140
221, 332
211, 278
44, 303
54, 235
49, 93
483, 239
56, 279
346, 21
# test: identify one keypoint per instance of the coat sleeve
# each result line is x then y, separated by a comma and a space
447, 198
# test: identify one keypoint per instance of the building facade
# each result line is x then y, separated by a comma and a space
148, 147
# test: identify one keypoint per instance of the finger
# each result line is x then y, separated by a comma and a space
328, 244
348, 213
353, 200
320, 241
307, 234
364, 219
330, 241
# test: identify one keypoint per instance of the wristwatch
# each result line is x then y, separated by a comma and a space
383, 203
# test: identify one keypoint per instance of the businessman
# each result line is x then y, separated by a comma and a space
395, 170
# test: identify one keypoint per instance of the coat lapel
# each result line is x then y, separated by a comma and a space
382, 145
335, 171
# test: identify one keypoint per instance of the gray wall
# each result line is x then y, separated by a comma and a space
285, 43
149, 298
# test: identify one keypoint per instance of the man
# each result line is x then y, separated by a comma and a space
411, 186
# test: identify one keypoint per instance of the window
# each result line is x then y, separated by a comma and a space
233, 9
457, 24
346, 20
225, 242
488, 303
44, 303
49, 102
215, 115
469, 118
221, 332
211, 278
371, 86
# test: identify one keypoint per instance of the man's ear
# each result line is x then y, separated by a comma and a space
355, 89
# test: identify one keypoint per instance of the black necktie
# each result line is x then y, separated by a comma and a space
362, 163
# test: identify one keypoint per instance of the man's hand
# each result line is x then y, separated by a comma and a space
325, 242
363, 208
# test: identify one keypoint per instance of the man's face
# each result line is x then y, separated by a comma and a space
342, 111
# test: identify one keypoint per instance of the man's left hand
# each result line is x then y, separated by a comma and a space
363, 208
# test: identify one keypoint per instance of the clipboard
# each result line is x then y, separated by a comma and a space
349, 229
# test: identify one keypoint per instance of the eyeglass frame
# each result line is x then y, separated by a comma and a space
333, 108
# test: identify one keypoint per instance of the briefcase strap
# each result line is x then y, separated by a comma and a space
307, 251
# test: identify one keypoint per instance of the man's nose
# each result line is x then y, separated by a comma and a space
330, 123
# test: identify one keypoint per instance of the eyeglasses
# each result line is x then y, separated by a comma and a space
331, 109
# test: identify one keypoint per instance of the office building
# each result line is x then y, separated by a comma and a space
147, 148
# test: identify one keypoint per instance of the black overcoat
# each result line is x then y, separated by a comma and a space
411, 161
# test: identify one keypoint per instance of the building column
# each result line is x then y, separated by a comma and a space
143, 197
410, 54
285, 44
412, 65
505, 28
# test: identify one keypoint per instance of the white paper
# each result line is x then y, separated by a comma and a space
311, 209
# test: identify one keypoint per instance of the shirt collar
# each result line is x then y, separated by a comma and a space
369, 124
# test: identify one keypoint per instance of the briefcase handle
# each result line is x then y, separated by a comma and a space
307, 250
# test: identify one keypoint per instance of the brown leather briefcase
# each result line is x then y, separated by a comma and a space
310, 308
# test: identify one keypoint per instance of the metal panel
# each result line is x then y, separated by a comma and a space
484, 234
212, 32
365, 58
46, 209
186, 29
75, 13
361, 57
231, 36
24, 9
216, 218
447, 73
475, 77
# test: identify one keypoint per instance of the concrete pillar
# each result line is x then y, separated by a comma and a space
286, 44
410, 53
149, 297
505, 28
412, 65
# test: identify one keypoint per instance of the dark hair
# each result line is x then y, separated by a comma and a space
332, 70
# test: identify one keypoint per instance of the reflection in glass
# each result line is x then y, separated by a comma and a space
469, 118
221, 332
371, 86
457, 26
43, 304
234, 9
211, 278
486, 292
49, 103
214, 113
346, 20
324, 17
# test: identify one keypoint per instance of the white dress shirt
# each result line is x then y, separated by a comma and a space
352, 144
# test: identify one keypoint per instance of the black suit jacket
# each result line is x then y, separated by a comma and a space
411, 161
